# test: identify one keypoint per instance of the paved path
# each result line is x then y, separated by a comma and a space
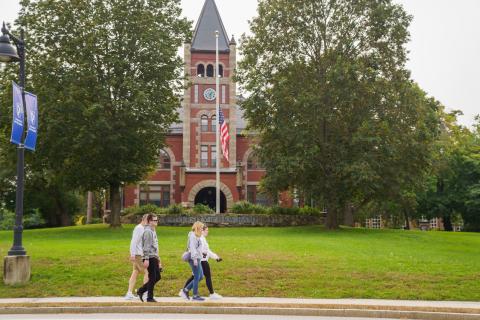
163, 317
245, 307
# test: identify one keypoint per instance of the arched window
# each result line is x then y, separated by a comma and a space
220, 70
164, 160
204, 123
214, 123
201, 70
210, 70
253, 163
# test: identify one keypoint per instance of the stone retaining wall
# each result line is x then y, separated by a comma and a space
233, 220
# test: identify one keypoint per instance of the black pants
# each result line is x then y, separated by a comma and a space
208, 277
153, 278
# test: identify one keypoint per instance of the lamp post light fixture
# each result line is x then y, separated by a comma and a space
19, 260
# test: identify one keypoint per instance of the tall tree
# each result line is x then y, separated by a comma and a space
106, 73
332, 100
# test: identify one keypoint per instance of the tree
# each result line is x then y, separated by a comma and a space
332, 101
106, 73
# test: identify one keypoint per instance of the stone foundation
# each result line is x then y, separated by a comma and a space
233, 220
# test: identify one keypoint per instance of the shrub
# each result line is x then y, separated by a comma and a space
309, 211
31, 220
244, 207
277, 210
202, 209
174, 209
141, 210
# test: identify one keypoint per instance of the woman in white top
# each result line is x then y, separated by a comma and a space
206, 254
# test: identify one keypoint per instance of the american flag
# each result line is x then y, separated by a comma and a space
224, 136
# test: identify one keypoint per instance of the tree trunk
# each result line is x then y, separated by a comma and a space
89, 207
348, 216
115, 206
331, 221
407, 222
447, 223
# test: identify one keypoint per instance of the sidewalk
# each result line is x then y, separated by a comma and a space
367, 308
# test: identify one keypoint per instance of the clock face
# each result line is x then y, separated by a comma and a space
210, 94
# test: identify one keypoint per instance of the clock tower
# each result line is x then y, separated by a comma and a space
199, 118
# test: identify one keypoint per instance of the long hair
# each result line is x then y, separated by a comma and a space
197, 228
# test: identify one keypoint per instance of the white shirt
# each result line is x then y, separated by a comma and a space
136, 248
206, 252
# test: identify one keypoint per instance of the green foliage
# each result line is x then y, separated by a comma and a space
336, 113
141, 210
245, 207
107, 76
175, 209
202, 209
31, 220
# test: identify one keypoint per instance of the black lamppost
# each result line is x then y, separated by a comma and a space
16, 53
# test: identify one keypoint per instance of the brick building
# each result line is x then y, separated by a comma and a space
186, 167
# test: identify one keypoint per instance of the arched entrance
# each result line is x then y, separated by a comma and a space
206, 196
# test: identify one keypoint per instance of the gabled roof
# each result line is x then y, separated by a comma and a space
204, 34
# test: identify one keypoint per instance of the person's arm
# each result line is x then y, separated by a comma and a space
193, 248
147, 244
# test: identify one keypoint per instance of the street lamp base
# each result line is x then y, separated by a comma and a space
16, 270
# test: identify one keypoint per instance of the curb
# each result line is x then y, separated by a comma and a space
353, 311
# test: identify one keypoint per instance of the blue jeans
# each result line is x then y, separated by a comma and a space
197, 276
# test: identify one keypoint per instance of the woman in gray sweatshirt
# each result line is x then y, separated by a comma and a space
194, 246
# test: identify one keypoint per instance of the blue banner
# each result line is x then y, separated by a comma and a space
32, 120
18, 115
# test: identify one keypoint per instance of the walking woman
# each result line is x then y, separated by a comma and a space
206, 254
194, 246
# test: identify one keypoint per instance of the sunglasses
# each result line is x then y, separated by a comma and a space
156, 220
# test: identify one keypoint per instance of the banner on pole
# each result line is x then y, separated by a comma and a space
18, 115
32, 120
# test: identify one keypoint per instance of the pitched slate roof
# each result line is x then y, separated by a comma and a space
204, 34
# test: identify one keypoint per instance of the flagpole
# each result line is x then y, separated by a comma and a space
217, 130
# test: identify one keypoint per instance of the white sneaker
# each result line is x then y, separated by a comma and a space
215, 296
145, 296
129, 296
183, 295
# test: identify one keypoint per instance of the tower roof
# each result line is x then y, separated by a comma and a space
204, 34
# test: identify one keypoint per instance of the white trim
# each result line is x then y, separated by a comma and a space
156, 182
196, 94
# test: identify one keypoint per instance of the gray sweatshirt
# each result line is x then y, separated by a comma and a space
194, 246
150, 243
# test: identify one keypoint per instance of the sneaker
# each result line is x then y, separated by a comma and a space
184, 294
145, 296
129, 296
215, 296
151, 300
198, 298
140, 295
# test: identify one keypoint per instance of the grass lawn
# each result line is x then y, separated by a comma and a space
275, 262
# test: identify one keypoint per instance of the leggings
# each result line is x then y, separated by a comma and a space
208, 277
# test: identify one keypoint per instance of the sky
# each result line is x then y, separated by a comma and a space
444, 48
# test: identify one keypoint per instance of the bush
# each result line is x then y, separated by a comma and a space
174, 209
277, 210
244, 207
7, 219
31, 219
202, 209
309, 211
141, 210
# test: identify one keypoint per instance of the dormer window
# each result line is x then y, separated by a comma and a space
200, 70
210, 71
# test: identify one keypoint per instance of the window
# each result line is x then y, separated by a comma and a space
158, 195
204, 123
204, 156
220, 70
164, 160
214, 123
255, 196
214, 156
210, 70
253, 163
374, 223
200, 70
433, 223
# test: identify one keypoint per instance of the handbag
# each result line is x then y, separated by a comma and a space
186, 256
